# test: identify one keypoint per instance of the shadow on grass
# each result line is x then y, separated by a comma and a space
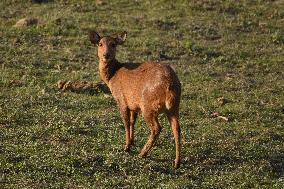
273, 163
277, 164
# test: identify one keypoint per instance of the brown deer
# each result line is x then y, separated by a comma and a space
150, 88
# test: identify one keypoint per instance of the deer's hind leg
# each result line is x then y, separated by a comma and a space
173, 119
155, 128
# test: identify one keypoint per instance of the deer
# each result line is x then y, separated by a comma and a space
149, 88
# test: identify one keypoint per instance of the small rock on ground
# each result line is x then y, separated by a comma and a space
29, 21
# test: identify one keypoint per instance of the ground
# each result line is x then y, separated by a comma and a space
228, 55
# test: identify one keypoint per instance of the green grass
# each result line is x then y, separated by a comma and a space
230, 49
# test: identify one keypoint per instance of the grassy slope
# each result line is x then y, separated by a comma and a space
218, 48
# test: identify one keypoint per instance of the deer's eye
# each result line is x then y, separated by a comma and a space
100, 44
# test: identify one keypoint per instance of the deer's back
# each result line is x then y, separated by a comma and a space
137, 85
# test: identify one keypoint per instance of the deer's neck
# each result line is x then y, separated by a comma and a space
107, 70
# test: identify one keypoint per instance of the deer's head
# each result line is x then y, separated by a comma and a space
107, 45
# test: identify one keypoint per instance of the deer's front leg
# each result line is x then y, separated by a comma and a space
133, 116
125, 115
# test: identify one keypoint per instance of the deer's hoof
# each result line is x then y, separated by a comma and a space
177, 164
142, 154
126, 148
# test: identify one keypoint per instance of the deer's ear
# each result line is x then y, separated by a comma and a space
94, 37
121, 37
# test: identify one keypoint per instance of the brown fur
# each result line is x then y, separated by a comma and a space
150, 88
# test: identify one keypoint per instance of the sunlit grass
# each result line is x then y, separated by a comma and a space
220, 49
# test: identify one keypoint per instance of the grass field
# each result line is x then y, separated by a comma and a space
221, 49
